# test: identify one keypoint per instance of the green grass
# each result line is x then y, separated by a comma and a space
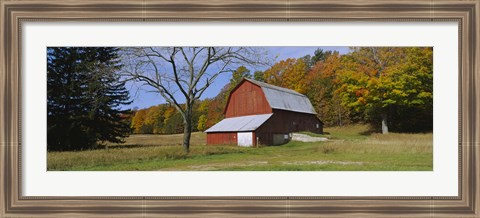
349, 148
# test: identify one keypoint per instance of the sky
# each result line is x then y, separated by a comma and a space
144, 97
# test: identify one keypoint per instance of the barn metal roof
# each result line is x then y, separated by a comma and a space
239, 124
285, 99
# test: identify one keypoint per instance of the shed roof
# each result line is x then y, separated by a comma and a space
285, 99
240, 124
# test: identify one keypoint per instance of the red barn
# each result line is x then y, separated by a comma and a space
260, 113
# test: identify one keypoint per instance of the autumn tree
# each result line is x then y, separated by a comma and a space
182, 74
204, 105
202, 122
322, 83
289, 73
153, 121
376, 81
138, 121
84, 98
203, 111
173, 122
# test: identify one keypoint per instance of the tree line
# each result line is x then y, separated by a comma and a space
390, 88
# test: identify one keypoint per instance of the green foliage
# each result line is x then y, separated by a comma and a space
259, 76
83, 98
237, 76
202, 123
318, 55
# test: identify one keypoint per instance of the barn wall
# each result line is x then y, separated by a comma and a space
264, 138
268, 138
298, 122
222, 138
288, 121
247, 99
285, 122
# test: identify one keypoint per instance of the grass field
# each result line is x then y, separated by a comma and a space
348, 149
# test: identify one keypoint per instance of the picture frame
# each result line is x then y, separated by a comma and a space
14, 13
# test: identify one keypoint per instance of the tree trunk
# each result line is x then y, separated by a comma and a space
187, 132
339, 117
384, 123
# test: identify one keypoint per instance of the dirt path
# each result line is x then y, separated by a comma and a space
306, 138
218, 166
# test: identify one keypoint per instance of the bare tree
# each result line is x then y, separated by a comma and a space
182, 74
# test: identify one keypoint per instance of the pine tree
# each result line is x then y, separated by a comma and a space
84, 97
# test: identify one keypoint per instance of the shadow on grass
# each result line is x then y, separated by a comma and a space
131, 146
373, 130
368, 132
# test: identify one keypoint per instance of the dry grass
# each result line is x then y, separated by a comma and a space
347, 145
197, 138
132, 158
386, 144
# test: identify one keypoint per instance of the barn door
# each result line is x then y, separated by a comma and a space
244, 139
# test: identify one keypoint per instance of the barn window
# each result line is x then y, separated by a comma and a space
318, 125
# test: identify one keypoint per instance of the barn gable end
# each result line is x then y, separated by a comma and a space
247, 99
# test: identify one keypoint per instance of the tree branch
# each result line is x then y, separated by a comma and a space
175, 73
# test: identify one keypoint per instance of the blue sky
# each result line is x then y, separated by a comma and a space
143, 97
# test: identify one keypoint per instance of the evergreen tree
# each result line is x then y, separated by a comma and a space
84, 97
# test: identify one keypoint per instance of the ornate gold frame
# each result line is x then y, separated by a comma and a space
14, 12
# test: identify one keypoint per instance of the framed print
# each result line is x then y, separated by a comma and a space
229, 108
